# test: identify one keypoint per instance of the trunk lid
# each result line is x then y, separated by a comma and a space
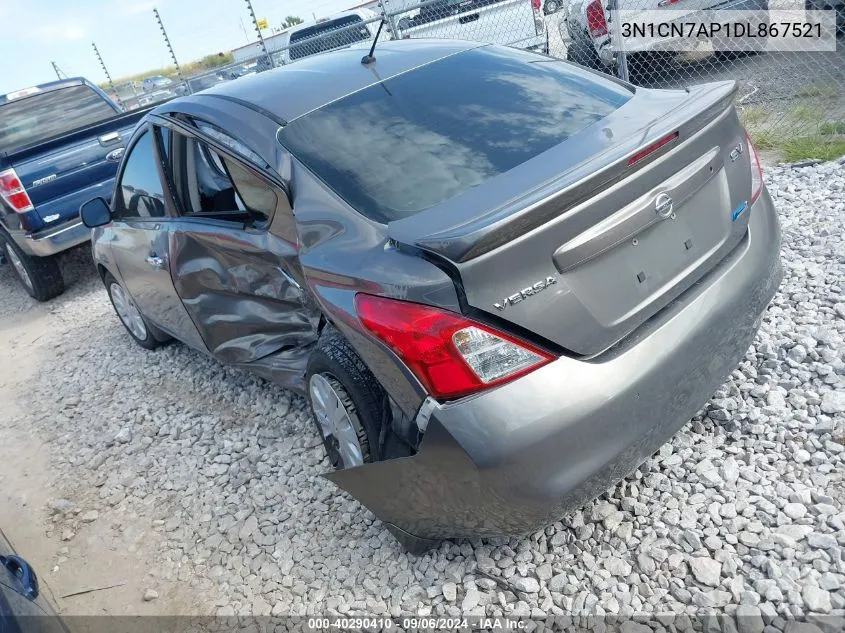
577, 246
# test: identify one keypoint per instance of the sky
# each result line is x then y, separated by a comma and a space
127, 34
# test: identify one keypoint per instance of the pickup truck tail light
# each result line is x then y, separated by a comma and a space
451, 355
539, 21
596, 22
13, 192
756, 171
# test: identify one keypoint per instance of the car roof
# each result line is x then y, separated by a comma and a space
299, 88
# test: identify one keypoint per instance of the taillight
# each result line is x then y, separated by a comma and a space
756, 171
13, 192
449, 354
596, 22
536, 4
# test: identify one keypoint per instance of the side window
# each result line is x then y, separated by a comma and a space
210, 184
140, 193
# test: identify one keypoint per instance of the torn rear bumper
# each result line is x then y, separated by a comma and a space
519, 457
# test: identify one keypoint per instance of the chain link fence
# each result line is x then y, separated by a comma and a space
791, 101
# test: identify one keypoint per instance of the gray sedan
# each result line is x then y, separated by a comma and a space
502, 281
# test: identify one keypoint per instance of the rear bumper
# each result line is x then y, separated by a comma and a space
55, 239
521, 456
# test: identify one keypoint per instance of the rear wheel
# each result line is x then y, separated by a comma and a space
351, 410
129, 314
40, 276
551, 6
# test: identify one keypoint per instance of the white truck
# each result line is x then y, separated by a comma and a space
517, 23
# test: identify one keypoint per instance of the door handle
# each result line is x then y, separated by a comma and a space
24, 574
155, 261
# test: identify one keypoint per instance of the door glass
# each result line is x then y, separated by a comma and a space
213, 185
140, 193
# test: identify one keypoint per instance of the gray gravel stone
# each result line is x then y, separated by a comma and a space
706, 571
816, 599
833, 402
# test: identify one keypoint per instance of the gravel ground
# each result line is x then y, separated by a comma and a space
743, 510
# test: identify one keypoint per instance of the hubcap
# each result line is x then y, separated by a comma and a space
335, 424
18, 266
127, 312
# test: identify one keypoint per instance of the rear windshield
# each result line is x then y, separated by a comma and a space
42, 116
418, 139
327, 40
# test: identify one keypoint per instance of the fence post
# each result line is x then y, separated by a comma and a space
172, 54
105, 70
391, 23
260, 37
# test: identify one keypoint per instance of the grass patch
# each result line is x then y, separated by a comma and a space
819, 147
804, 132
833, 127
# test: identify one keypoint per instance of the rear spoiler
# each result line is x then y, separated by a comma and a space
574, 171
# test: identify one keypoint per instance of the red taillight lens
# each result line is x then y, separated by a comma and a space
536, 4
652, 148
756, 171
596, 22
449, 354
13, 192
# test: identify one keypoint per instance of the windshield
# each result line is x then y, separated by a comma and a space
423, 137
320, 37
48, 114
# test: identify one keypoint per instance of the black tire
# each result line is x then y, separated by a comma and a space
551, 6
582, 52
364, 399
41, 276
149, 340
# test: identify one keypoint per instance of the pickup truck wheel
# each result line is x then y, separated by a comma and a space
40, 276
129, 314
350, 408
583, 53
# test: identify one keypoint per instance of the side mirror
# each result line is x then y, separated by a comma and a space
95, 212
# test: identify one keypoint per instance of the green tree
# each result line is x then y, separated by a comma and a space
291, 20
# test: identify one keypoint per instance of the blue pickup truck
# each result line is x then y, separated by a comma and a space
60, 145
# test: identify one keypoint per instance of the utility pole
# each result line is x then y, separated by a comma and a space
260, 37
170, 48
105, 70
59, 72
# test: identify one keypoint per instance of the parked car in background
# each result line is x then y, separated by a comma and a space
830, 5
326, 34
156, 81
23, 607
60, 144
517, 23
589, 38
493, 320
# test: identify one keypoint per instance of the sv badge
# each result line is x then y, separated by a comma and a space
523, 294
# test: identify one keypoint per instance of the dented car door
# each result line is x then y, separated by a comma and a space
238, 279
